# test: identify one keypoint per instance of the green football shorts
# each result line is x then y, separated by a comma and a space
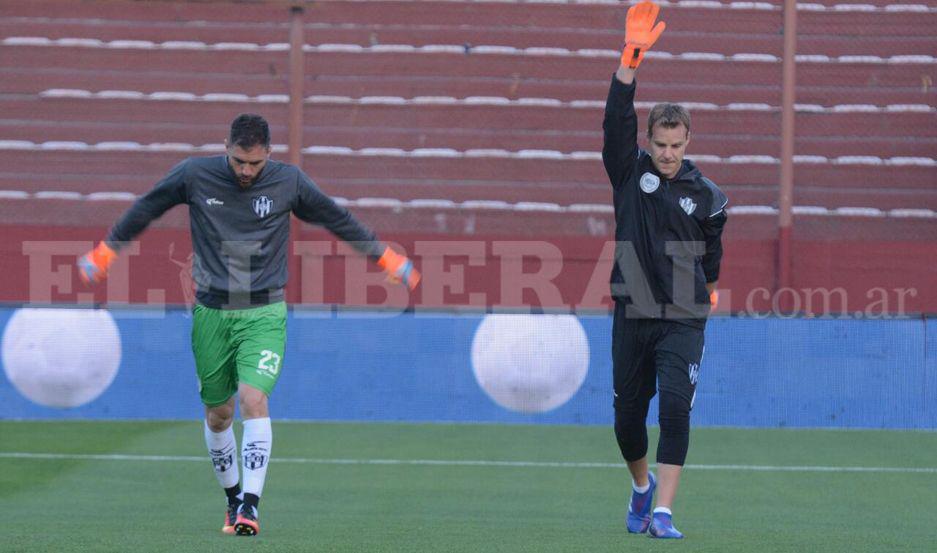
233, 346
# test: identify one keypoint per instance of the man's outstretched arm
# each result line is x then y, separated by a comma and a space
621, 123
316, 207
170, 191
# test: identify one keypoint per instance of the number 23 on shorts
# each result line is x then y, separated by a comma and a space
269, 363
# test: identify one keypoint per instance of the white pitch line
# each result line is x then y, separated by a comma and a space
463, 463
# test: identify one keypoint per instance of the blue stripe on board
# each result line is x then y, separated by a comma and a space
417, 367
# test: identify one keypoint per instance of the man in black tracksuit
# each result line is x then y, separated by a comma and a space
669, 221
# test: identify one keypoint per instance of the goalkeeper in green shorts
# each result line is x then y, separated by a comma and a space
239, 207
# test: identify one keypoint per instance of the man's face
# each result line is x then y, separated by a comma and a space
248, 163
667, 146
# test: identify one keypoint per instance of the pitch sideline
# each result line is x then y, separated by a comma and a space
465, 463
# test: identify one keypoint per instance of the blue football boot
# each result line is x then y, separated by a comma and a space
639, 509
662, 527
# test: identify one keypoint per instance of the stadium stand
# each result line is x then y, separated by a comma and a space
483, 119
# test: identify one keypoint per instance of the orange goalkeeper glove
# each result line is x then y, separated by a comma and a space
640, 33
93, 266
399, 268
713, 300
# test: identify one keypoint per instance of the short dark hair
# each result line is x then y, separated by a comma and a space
249, 130
668, 116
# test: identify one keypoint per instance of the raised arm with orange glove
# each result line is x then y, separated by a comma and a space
93, 266
640, 33
399, 269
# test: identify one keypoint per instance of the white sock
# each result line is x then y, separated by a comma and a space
255, 453
664, 510
222, 448
640, 489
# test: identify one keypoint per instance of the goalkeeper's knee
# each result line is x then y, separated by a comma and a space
674, 428
631, 430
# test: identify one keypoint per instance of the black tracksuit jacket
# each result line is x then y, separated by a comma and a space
668, 232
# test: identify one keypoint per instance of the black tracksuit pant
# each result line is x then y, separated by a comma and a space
652, 356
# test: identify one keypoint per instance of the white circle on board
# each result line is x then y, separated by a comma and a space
61, 357
530, 363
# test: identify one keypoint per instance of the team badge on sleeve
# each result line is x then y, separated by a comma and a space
262, 206
649, 182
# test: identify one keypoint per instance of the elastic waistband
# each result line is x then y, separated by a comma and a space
222, 299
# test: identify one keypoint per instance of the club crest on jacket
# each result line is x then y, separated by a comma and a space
262, 206
688, 205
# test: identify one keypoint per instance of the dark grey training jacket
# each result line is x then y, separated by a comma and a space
240, 236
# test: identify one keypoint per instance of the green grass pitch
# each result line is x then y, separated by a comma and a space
148, 486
